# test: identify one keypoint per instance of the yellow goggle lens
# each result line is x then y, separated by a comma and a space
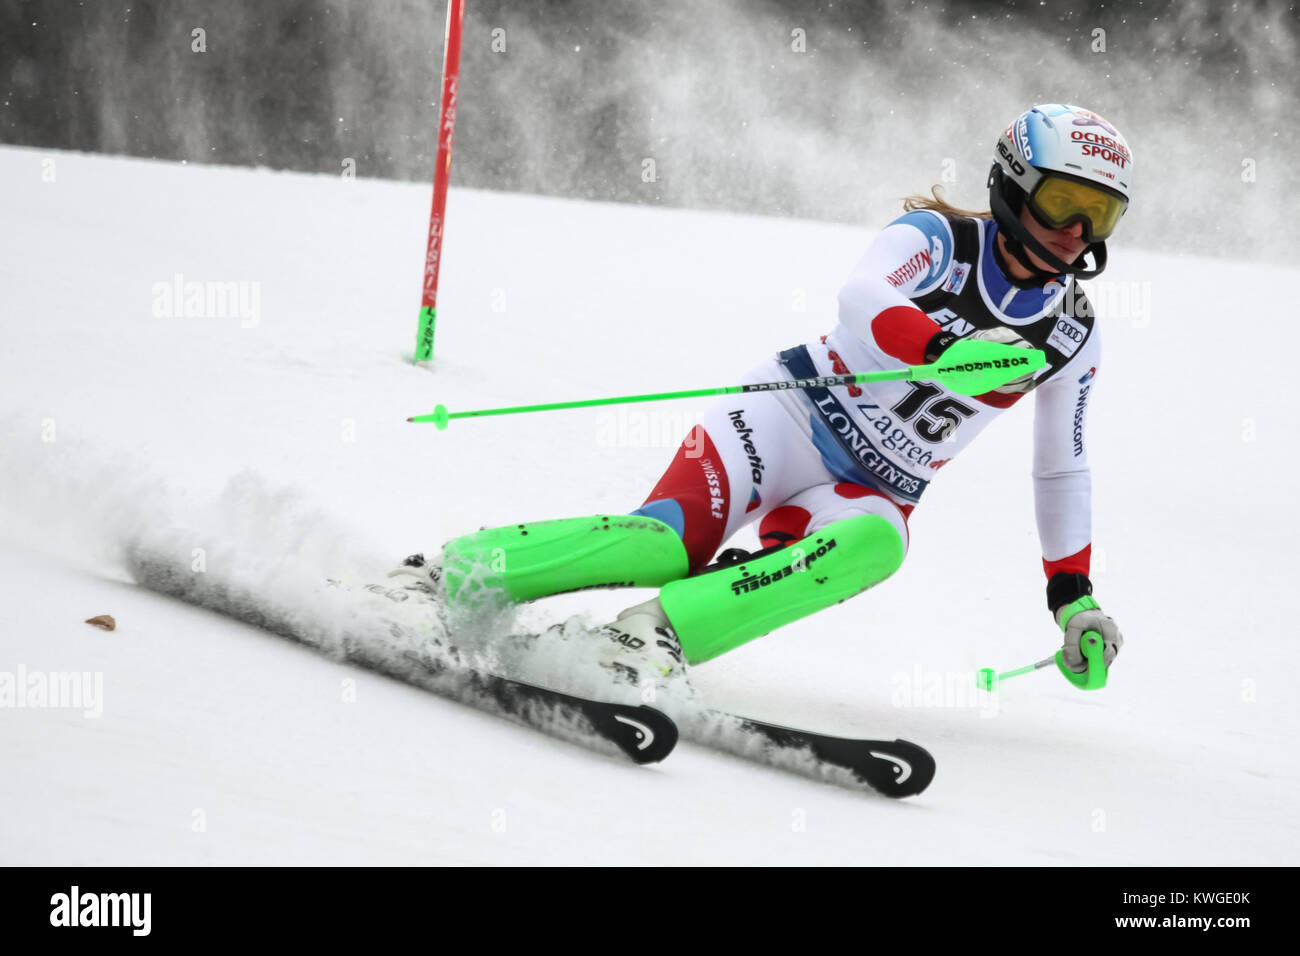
1060, 200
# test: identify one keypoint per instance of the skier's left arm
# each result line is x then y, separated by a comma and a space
1063, 503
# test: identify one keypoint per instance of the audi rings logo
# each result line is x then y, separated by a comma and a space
1070, 330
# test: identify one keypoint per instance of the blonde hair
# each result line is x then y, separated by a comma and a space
940, 205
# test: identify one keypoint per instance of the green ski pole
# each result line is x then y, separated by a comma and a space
1093, 678
967, 368
988, 678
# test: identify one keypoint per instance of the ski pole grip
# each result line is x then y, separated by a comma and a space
1094, 654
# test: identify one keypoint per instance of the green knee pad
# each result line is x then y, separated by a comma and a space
521, 562
717, 612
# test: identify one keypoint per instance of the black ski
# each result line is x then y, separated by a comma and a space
641, 733
895, 768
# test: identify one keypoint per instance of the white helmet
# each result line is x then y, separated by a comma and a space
1069, 165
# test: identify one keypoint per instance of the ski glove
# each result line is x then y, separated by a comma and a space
1076, 619
1069, 596
942, 341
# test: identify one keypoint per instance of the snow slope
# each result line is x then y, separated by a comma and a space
282, 426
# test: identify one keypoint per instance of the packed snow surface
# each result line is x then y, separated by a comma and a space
261, 423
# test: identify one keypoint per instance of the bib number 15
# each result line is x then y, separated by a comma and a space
939, 416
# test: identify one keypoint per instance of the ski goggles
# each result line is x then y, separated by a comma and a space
1057, 202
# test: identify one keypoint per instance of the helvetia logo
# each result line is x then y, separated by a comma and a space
102, 909
746, 436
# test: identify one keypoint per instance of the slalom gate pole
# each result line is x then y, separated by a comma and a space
441, 177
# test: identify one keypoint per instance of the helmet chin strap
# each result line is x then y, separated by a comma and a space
1017, 237
1016, 249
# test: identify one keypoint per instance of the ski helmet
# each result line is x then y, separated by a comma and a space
1069, 165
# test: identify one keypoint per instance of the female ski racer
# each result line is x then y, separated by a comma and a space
832, 474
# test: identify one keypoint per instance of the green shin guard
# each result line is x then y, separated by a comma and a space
717, 612
521, 562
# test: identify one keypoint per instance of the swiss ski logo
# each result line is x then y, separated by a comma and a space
957, 277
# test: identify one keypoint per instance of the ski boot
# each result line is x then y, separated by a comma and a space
419, 597
420, 578
641, 645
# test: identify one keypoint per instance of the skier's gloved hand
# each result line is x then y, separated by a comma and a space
942, 341
1076, 611
1078, 619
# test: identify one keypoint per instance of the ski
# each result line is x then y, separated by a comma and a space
641, 733
895, 768
638, 732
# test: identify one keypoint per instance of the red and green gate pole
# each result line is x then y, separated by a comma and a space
441, 175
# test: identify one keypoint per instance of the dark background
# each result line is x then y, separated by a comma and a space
887, 98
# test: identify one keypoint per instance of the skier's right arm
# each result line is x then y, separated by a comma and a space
910, 257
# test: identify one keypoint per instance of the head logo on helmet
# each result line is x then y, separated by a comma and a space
1070, 165
1022, 139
